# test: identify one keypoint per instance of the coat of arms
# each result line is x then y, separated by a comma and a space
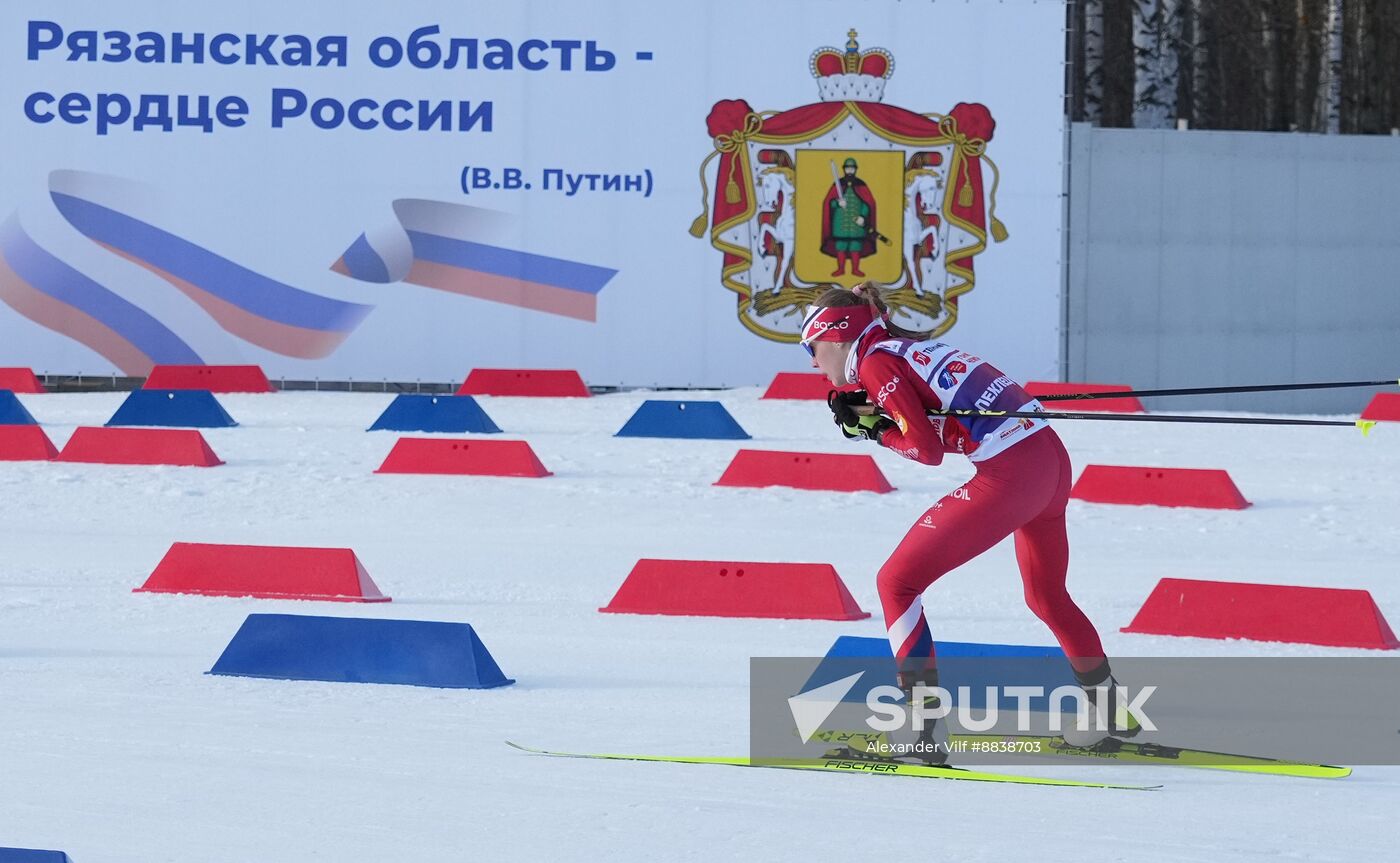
844, 190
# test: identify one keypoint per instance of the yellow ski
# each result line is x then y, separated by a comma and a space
837, 764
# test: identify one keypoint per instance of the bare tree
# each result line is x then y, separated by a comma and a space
1303, 43
1198, 51
1268, 44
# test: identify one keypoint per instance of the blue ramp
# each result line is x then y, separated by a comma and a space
359, 650
960, 663
689, 420
435, 414
179, 408
12, 412
28, 855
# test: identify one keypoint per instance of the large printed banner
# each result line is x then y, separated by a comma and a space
407, 191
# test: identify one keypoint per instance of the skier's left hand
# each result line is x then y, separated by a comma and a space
870, 428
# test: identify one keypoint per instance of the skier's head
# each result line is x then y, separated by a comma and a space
832, 327
838, 319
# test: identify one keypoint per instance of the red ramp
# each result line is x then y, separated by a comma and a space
801, 385
263, 572
806, 470
1327, 616
180, 447
1129, 405
555, 383
20, 380
707, 588
463, 457
216, 379
1158, 486
1384, 407
25, 443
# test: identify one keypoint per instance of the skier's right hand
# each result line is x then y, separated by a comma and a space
852, 424
843, 404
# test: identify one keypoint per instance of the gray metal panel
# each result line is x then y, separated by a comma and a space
1230, 258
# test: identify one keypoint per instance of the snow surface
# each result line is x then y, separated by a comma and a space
115, 746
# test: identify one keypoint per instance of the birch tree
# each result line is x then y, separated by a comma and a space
1093, 61
1330, 89
1156, 31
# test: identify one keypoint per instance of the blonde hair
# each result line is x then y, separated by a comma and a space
869, 293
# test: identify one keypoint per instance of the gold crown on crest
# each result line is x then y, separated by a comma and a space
851, 75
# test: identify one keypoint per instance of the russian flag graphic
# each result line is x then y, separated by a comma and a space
53, 294
258, 309
457, 248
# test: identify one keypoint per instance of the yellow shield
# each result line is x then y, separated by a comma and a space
829, 249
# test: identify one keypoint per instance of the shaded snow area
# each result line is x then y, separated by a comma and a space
116, 747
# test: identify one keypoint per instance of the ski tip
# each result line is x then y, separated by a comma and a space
1365, 426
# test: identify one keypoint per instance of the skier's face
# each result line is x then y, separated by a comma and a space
830, 357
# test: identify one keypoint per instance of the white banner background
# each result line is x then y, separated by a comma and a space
287, 202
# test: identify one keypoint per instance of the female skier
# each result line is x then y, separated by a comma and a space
1020, 488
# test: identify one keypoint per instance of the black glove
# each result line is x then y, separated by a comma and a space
842, 404
852, 424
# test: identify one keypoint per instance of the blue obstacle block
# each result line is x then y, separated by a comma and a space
29, 855
435, 414
12, 412
359, 650
960, 663
690, 420
179, 408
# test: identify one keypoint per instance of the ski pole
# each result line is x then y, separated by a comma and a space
1196, 391
1364, 425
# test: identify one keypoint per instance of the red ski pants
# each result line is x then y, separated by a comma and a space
1020, 492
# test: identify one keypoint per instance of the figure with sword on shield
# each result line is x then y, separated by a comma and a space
848, 219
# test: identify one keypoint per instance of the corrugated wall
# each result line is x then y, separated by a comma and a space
1227, 258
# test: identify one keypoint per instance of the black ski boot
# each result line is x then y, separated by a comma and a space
927, 745
1109, 721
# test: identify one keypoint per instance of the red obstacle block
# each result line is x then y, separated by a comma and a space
557, 383
25, 443
1264, 612
215, 379
1384, 407
808, 470
801, 385
20, 380
1158, 486
1129, 405
181, 447
707, 588
469, 457
264, 572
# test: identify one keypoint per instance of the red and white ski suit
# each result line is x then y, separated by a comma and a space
1020, 488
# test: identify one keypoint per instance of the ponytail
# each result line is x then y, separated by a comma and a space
869, 293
